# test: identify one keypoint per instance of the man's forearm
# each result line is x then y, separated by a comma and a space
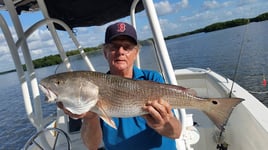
91, 132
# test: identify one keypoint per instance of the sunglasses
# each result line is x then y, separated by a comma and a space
117, 46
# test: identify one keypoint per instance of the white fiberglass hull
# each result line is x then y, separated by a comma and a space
247, 127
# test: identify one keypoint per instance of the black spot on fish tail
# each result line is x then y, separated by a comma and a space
214, 102
220, 109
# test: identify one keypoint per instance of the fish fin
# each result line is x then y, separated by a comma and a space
220, 109
104, 116
109, 121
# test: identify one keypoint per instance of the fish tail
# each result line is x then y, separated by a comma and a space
219, 110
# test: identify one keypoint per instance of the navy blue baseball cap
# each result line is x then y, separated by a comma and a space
120, 28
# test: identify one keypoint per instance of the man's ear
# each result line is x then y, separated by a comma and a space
137, 53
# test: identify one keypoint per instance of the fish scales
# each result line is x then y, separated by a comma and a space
134, 94
115, 96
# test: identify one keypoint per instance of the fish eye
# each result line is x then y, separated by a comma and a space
57, 82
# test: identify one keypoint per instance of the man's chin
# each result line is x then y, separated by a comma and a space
120, 65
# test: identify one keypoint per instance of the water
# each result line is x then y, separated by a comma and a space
218, 51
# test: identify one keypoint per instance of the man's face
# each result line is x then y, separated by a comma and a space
121, 53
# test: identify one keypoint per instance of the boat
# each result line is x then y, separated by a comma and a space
246, 129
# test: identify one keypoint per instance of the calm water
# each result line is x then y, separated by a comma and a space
218, 51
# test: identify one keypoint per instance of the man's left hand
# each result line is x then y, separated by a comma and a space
162, 119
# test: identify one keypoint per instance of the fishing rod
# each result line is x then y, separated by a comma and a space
239, 58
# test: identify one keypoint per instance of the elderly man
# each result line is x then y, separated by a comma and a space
157, 130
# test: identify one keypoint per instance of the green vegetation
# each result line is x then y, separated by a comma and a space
223, 25
46, 61
259, 18
4, 72
55, 59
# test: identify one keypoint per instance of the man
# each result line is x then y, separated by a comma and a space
157, 130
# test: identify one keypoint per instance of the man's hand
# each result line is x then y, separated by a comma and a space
161, 118
91, 130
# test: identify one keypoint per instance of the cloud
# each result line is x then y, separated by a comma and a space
37, 52
89, 37
3, 47
184, 3
144, 32
41, 43
40, 35
168, 27
246, 2
165, 7
6, 62
211, 4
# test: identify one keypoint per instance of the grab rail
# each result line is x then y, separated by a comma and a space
163, 56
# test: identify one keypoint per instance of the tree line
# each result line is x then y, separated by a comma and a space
55, 59
223, 25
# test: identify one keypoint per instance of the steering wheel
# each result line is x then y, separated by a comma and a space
40, 139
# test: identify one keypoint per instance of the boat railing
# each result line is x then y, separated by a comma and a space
34, 116
133, 22
56, 38
165, 62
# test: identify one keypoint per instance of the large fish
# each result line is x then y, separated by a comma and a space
115, 96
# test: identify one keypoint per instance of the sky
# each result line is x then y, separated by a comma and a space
175, 16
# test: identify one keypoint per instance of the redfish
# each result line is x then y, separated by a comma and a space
115, 96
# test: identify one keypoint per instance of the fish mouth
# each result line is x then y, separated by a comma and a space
50, 96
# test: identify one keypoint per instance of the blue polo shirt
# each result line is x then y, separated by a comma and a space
133, 133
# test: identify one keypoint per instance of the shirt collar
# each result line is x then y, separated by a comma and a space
137, 73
